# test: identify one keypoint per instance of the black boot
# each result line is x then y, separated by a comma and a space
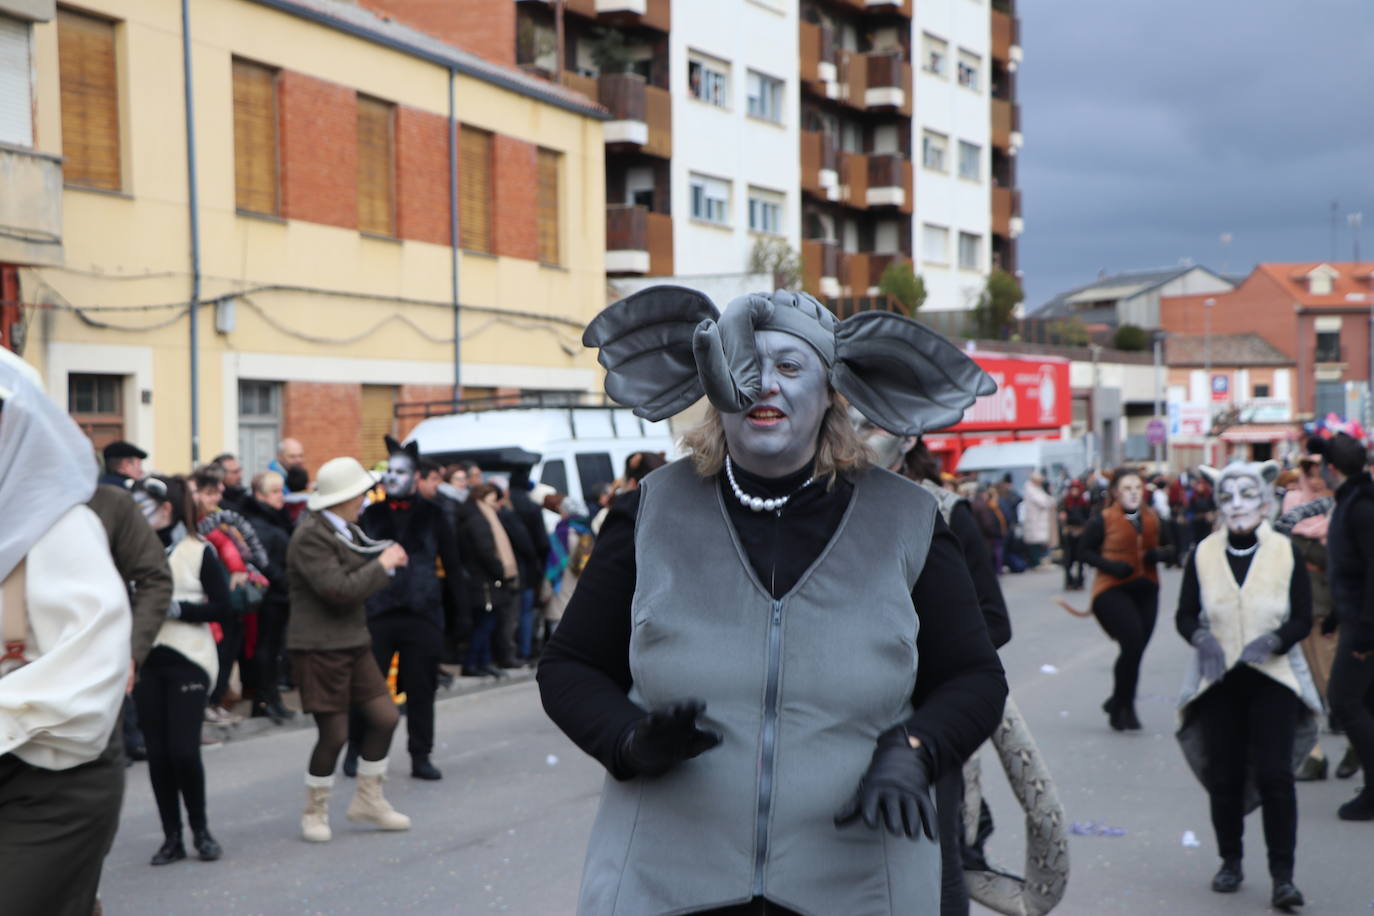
1285, 895
1359, 808
1128, 717
1349, 765
206, 847
1228, 877
171, 851
1116, 715
1312, 769
421, 768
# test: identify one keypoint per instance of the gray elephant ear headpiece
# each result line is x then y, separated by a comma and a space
666, 346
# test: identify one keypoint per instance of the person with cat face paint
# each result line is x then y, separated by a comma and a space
1249, 707
1125, 544
740, 652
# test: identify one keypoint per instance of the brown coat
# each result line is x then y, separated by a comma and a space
141, 561
1123, 544
330, 578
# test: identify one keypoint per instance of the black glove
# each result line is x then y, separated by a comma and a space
1363, 640
1159, 555
1329, 624
1260, 648
1117, 569
897, 784
665, 738
1211, 660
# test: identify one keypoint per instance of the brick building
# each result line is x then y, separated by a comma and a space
329, 284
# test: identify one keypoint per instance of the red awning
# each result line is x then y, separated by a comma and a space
1260, 432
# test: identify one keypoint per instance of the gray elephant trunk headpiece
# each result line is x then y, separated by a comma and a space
666, 346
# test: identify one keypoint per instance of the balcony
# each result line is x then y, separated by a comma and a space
817, 47
656, 14
30, 207
888, 7
856, 269
887, 83
854, 179
889, 181
820, 158
641, 115
821, 267
1006, 125
638, 241
1006, 37
1006, 212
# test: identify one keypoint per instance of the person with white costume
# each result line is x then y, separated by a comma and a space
1248, 706
65, 617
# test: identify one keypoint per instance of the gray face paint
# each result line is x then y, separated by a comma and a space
778, 434
888, 450
399, 477
1241, 502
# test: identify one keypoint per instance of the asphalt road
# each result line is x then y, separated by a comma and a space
506, 828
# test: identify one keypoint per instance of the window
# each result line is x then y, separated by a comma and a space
547, 205
765, 211
96, 403
709, 80
935, 244
1330, 399
969, 67
90, 101
970, 251
710, 199
933, 149
970, 161
1328, 347
765, 97
16, 94
593, 470
474, 188
376, 172
255, 138
555, 474
935, 56
1261, 391
259, 423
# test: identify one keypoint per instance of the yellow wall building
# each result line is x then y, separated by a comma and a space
322, 150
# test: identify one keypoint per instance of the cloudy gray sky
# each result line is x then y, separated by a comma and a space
1152, 128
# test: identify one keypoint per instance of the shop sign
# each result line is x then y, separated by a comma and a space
1031, 394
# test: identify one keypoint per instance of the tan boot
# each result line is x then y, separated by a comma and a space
368, 802
315, 820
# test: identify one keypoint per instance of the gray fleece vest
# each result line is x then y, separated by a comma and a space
800, 688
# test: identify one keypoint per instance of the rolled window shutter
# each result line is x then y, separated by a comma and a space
474, 188
90, 100
548, 206
376, 212
255, 138
16, 94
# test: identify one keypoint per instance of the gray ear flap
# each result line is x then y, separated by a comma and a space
726, 357
903, 376
1269, 471
1210, 473
646, 348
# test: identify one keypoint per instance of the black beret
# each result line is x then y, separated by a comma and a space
121, 449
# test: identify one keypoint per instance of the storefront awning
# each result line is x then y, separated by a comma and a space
1260, 432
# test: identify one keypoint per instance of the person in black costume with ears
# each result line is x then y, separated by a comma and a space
1125, 544
1249, 708
407, 617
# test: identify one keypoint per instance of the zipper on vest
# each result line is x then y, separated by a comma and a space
768, 745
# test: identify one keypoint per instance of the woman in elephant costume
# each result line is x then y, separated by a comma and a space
1248, 709
741, 651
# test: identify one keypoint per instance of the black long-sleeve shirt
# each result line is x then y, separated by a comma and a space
978, 560
1299, 622
584, 673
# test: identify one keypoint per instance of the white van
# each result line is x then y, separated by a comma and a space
574, 447
1055, 457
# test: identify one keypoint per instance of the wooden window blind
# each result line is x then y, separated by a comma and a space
255, 138
90, 100
474, 188
376, 174
549, 162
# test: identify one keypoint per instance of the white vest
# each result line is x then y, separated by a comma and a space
193, 640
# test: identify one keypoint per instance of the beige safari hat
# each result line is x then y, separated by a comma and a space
339, 480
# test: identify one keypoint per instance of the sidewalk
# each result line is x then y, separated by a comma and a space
254, 728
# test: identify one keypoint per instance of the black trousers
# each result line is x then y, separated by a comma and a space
1073, 566
272, 618
1248, 721
1127, 612
949, 799
1351, 695
55, 828
506, 605
420, 645
170, 697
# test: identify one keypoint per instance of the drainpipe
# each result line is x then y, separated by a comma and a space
453, 237
193, 214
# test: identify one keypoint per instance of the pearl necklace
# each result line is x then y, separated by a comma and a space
758, 503
1241, 551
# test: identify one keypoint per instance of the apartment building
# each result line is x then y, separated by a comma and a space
317, 253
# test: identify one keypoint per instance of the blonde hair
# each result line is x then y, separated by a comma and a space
840, 449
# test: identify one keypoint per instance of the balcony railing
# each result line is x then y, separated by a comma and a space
638, 241
889, 7
854, 179
819, 152
887, 83
1006, 120
856, 273
817, 47
30, 207
623, 94
889, 181
1006, 34
658, 108
641, 115
656, 14
1006, 203
1328, 353
583, 84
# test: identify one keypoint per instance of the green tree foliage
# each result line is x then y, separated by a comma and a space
609, 51
773, 256
1130, 337
903, 284
1071, 332
994, 314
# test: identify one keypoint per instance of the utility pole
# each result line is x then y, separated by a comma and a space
1159, 389
1207, 371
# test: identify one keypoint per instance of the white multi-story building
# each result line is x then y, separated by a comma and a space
735, 103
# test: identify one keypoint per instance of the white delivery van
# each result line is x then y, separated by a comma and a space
573, 447
1055, 457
